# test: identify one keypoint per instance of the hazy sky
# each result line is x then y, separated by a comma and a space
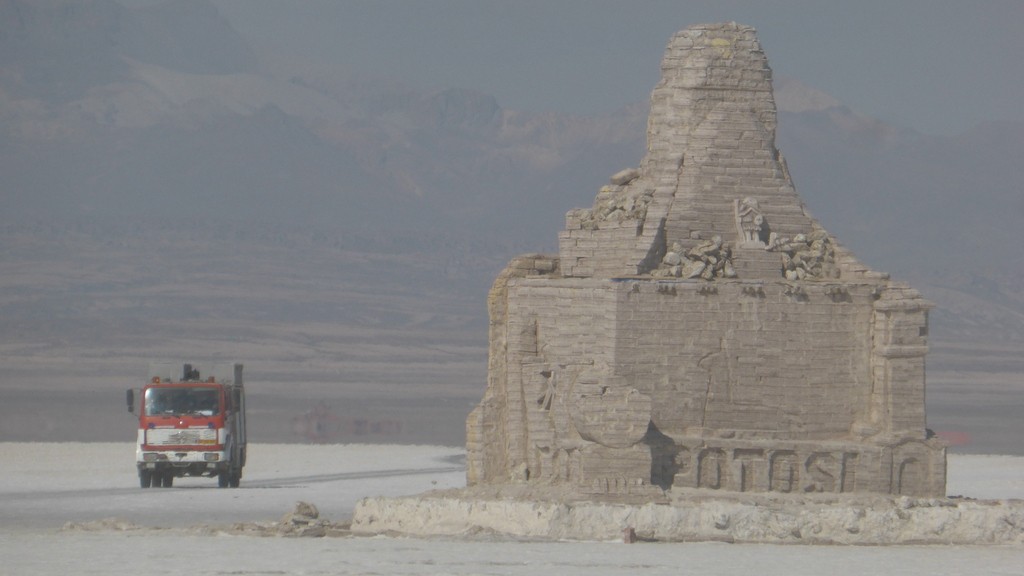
937, 66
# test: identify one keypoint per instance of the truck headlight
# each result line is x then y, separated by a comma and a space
149, 456
211, 456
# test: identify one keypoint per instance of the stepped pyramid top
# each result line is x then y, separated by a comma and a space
712, 188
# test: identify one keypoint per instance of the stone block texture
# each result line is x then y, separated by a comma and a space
699, 329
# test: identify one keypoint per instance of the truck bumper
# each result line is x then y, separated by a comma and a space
184, 463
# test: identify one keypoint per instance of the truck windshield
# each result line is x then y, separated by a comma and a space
191, 400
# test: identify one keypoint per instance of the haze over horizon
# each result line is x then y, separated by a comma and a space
935, 67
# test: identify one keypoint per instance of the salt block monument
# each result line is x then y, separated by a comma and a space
699, 329
702, 360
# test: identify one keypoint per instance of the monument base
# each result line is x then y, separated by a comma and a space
504, 512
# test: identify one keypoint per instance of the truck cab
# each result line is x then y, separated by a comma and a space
191, 423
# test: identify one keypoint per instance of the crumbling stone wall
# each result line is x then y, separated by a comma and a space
699, 329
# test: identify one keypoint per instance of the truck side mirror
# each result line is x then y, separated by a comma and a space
131, 400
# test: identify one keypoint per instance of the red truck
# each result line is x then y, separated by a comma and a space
191, 423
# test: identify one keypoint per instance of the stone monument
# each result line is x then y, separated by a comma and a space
699, 329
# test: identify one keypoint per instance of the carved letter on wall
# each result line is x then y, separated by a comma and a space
784, 471
821, 468
910, 473
750, 468
849, 483
712, 469
682, 460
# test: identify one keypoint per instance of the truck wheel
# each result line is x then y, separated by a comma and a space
168, 480
145, 478
236, 478
222, 479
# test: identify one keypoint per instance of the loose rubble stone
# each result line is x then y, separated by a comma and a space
302, 522
624, 177
303, 514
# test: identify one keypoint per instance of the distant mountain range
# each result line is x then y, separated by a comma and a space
163, 116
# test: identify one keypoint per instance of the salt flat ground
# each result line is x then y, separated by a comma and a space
45, 485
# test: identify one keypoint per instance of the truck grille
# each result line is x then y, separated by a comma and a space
177, 437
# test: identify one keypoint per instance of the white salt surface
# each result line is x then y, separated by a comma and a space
45, 485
